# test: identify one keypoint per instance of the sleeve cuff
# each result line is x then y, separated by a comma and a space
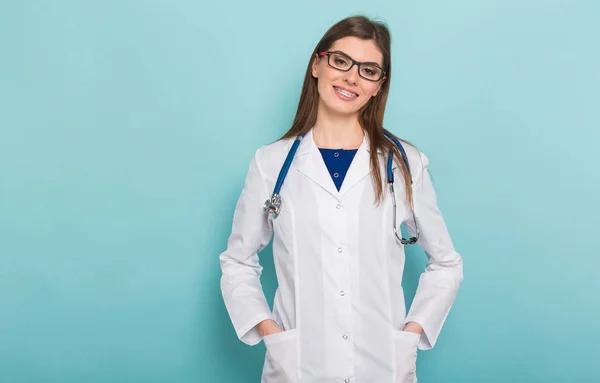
425, 343
249, 333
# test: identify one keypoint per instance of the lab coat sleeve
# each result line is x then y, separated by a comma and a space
240, 281
439, 283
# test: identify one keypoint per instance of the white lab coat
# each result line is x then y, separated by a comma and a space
339, 269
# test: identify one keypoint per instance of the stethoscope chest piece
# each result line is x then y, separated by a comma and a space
273, 206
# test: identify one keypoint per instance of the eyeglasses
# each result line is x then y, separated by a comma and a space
368, 70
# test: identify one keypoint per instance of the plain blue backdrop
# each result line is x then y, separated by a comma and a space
126, 129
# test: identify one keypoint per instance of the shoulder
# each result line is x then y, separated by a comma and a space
269, 158
417, 159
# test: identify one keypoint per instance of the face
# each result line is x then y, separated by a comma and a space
347, 92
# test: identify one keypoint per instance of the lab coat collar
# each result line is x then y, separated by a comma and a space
310, 163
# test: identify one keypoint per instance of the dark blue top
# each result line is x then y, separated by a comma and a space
338, 161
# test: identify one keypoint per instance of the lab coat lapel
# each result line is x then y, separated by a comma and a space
359, 168
310, 163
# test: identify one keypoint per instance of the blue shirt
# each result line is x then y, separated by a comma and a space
337, 162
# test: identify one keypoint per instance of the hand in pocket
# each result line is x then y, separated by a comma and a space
268, 327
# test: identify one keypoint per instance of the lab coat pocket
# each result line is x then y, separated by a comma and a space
280, 362
405, 345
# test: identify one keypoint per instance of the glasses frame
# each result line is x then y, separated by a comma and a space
354, 62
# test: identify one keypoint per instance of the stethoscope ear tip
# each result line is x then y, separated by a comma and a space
410, 241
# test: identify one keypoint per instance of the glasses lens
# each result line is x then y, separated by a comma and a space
370, 72
339, 61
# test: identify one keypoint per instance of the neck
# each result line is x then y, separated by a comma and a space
337, 131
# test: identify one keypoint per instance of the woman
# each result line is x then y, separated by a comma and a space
339, 312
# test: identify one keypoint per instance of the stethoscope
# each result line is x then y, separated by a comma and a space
273, 205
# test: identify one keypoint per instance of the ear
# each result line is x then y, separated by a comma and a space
315, 65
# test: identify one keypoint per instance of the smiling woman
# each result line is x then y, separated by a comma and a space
341, 61
339, 313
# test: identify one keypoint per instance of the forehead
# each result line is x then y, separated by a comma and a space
358, 49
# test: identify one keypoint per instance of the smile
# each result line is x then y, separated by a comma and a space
345, 93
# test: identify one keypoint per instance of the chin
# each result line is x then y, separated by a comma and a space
347, 111
340, 107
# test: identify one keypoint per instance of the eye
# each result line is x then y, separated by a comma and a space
340, 61
369, 71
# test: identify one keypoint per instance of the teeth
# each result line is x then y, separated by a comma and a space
344, 93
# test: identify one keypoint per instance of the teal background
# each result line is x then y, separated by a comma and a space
126, 129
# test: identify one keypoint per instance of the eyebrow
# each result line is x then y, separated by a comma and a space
362, 62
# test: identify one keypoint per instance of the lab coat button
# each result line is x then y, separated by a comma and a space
345, 336
339, 249
342, 293
338, 206
347, 380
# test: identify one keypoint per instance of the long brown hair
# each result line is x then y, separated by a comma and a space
371, 114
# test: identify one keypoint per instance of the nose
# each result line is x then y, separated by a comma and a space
351, 75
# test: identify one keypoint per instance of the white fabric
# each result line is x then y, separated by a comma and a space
339, 269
